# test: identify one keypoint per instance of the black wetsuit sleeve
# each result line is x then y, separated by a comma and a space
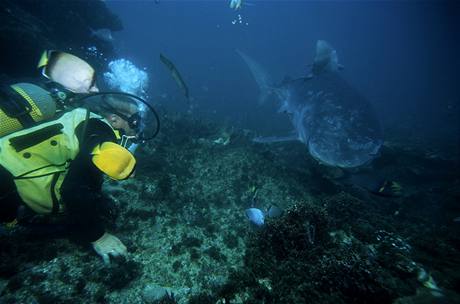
9, 197
81, 190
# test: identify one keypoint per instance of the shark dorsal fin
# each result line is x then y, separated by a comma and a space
326, 59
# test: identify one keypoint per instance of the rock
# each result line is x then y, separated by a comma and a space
29, 27
3, 284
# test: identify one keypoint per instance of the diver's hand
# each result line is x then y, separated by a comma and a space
109, 245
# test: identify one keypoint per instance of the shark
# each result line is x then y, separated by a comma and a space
330, 117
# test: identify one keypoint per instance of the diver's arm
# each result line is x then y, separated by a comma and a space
95, 132
81, 189
9, 197
85, 204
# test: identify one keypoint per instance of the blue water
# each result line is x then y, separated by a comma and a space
402, 56
367, 216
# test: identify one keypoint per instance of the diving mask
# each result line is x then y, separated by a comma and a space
139, 115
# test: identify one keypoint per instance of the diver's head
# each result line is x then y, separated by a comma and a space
134, 117
122, 113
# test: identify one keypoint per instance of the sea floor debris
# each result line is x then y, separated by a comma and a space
182, 219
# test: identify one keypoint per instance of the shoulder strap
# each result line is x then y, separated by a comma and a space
15, 106
85, 126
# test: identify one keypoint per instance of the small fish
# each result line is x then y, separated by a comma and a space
274, 212
427, 280
102, 34
236, 4
457, 219
176, 76
257, 216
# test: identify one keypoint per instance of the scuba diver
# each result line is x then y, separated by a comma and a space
58, 140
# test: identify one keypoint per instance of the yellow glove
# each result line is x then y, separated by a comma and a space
114, 160
109, 245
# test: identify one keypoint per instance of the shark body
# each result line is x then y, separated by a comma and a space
337, 124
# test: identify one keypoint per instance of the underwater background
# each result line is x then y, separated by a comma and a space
183, 217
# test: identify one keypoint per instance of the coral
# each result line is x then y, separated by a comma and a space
202, 298
215, 254
155, 294
119, 274
231, 240
182, 219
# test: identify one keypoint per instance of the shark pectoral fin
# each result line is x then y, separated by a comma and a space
274, 139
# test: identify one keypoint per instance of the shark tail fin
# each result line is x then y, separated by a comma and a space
260, 76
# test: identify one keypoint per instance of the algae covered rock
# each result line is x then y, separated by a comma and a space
29, 27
